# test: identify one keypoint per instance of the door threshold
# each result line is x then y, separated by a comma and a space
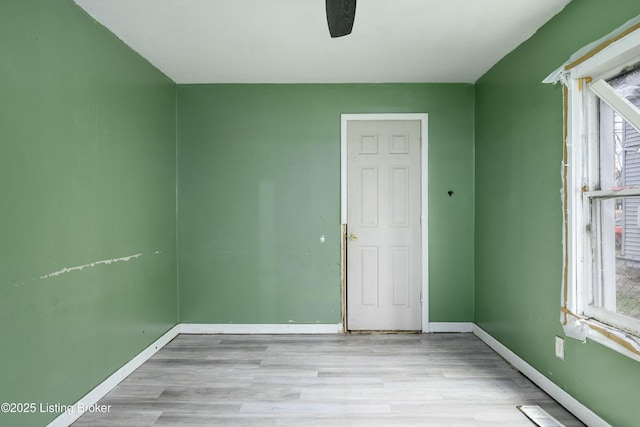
381, 332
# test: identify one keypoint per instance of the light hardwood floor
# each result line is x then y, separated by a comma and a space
433, 380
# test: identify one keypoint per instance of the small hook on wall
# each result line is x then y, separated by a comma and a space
450, 193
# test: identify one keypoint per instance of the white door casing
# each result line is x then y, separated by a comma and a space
384, 179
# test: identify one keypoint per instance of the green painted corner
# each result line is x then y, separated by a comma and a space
87, 176
518, 213
259, 184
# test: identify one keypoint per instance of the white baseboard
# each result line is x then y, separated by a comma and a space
286, 328
583, 413
88, 400
454, 327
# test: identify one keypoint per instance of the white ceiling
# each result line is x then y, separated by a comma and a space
287, 41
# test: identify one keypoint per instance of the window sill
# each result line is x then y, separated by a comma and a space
581, 328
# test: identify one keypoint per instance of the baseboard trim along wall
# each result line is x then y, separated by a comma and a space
452, 327
286, 328
583, 413
88, 400
565, 399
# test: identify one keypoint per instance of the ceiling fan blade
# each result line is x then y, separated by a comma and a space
340, 16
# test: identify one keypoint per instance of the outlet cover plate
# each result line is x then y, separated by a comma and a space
560, 348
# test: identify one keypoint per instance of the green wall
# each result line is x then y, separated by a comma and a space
87, 173
259, 183
518, 235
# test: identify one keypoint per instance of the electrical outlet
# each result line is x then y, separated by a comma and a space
560, 348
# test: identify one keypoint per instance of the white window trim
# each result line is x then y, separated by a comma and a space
584, 81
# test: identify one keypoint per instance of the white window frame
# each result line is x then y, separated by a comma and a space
585, 79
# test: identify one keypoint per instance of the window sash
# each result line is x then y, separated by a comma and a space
594, 292
598, 289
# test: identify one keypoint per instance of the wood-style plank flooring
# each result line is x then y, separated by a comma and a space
451, 380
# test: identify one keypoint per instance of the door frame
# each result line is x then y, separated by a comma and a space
424, 194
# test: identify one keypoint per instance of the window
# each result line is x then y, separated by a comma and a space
612, 202
601, 173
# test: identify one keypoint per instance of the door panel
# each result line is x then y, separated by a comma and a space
370, 280
399, 197
400, 275
383, 225
369, 194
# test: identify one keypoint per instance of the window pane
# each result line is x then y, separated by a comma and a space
619, 151
619, 141
627, 233
627, 84
619, 243
614, 143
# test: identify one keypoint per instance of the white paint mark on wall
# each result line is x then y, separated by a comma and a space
90, 265
82, 267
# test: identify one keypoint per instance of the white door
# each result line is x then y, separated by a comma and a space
384, 278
